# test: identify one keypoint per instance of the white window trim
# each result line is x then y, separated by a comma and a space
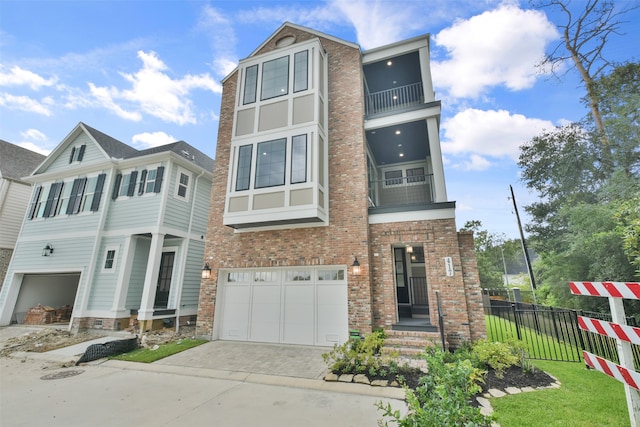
187, 196
115, 259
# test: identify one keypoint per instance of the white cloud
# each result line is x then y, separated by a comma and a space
155, 92
34, 135
493, 133
21, 77
220, 30
378, 22
496, 48
24, 103
152, 139
476, 163
33, 147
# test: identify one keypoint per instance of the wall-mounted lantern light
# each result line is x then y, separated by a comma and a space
206, 271
409, 249
48, 250
355, 267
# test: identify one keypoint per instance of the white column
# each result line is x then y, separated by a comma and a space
439, 187
425, 71
124, 275
151, 277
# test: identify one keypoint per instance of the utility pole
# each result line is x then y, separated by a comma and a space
524, 245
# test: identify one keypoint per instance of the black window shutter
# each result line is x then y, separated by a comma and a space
73, 196
73, 151
34, 202
47, 206
158, 184
132, 183
52, 200
97, 194
56, 198
143, 181
116, 187
80, 193
81, 153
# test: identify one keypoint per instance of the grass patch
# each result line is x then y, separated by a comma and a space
535, 344
147, 355
587, 398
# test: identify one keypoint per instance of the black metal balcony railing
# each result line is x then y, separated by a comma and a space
394, 99
408, 190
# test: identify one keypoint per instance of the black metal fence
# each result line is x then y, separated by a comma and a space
550, 333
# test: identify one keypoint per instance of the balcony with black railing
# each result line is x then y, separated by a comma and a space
404, 191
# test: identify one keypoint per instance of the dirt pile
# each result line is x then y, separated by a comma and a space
41, 340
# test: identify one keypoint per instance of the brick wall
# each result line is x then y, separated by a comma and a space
346, 234
460, 295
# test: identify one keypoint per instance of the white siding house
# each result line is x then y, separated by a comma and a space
15, 163
113, 232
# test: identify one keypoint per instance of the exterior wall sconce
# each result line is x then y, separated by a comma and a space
206, 271
48, 250
409, 249
355, 267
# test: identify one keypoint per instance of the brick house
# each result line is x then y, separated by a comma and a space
329, 210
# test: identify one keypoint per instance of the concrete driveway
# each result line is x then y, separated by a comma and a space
218, 383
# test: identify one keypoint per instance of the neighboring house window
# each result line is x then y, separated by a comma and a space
250, 84
393, 177
110, 259
270, 163
126, 184
299, 159
183, 184
275, 78
75, 199
35, 200
300, 71
77, 153
93, 194
415, 175
244, 167
51, 205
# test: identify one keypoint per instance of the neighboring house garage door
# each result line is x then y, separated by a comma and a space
52, 290
290, 306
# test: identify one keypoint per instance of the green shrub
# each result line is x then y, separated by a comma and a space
443, 397
497, 355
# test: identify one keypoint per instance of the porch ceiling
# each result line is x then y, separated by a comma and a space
410, 144
404, 70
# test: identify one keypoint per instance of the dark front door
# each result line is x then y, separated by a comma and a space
164, 280
402, 288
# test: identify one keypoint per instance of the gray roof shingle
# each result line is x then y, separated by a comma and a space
17, 162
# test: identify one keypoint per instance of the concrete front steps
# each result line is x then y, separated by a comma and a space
410, 343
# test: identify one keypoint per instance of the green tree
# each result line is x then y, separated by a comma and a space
583, 223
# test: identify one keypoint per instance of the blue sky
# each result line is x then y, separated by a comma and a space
148, 73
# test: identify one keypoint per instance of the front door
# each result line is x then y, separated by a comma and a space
402, 288
164, 280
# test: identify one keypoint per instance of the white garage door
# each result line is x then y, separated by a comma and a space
290, 306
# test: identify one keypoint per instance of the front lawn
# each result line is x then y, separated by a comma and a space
587, 398
149, 355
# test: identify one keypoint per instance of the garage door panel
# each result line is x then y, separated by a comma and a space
305, 311
332, 314
265, 314
299, 314
235, 323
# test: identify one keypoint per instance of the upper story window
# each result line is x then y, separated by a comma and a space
183, 184
250, 84
271, 162
273, 77
110, 259
415, 175
393, 177
77, 153
71, 197
146, 181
